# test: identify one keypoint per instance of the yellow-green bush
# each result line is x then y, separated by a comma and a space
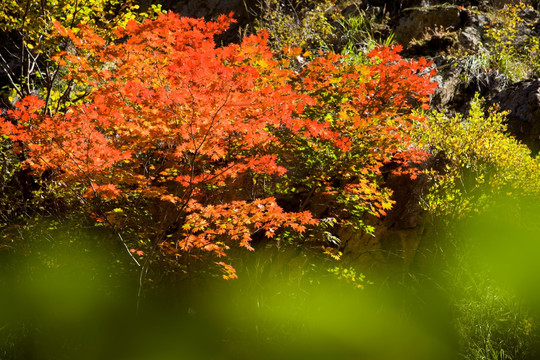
477, 160
515, 48
32, 40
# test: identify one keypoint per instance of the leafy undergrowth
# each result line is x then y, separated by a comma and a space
70, 296
75, 304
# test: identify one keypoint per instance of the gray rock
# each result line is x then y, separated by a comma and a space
417, 21
522, 99
393, 246
447, 89
470, 38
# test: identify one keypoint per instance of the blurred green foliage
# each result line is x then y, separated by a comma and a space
67, 303
498, 307
70, 298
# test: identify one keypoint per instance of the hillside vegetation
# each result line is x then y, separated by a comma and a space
317, 178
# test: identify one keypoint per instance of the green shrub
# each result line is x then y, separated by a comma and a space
361, 32
476, 160
514, 46
321, 25
306, 24
491, 322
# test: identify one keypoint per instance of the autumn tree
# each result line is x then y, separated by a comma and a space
191, 148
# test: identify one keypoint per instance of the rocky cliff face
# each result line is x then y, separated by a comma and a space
394, 244
522, 100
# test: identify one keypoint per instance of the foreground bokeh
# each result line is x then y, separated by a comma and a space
69, 298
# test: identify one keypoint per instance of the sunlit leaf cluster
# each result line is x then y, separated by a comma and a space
476, 161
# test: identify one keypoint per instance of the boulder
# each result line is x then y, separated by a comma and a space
470, 38
416, 22
393, 245
432, 45
459, 85
209, 8
447, 89
522, 100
